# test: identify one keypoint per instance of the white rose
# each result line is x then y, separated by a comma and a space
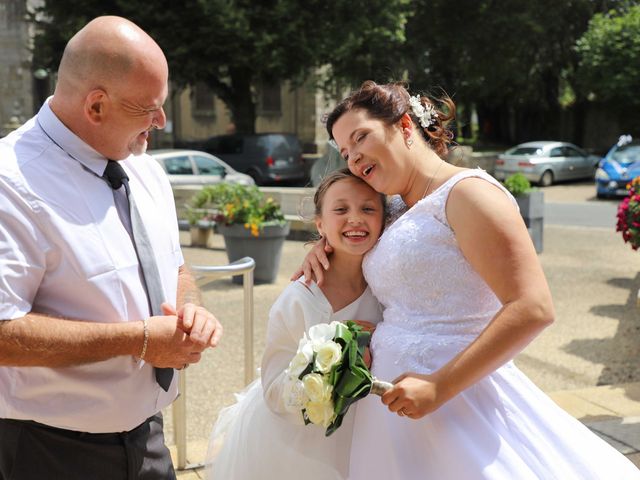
293, 395
327, 355
320, 413
321, 333
316, 388
302, 358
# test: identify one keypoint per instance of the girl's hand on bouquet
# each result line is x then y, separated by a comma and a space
367, 327
315, 263
414, 395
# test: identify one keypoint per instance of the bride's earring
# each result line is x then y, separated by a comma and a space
409, 142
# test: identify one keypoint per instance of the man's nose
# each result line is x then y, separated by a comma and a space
159, 119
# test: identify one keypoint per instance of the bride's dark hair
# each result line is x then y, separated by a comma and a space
390, 102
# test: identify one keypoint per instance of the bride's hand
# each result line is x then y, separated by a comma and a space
414, 395
315, 263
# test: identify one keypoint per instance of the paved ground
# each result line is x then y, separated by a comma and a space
587, 361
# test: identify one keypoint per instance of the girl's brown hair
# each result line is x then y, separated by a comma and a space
332, 178
390, 102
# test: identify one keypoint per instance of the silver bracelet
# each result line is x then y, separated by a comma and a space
146, 339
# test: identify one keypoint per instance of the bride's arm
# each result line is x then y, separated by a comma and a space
493, 238
315, 263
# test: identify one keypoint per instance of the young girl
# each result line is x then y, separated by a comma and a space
258, 437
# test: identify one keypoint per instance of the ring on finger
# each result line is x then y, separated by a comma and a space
401, 412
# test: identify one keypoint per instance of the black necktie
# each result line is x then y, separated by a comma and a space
115, 175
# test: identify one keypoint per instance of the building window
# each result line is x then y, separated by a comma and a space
270, 100
203, 101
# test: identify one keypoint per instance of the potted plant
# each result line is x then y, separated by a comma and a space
531, 205
629, 215
200, 224
251, 225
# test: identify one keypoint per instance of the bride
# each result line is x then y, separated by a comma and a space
463, 292
259, 437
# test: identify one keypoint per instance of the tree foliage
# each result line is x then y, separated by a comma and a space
234, 45
507, 57
609, 69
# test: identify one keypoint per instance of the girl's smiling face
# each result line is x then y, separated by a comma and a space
351, 218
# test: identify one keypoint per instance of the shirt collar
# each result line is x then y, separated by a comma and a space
69, 141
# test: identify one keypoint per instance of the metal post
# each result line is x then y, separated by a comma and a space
203, 275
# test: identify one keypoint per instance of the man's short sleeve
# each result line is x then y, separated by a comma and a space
22, 256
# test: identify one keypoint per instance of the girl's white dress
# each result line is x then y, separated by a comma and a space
503, 427
257, 438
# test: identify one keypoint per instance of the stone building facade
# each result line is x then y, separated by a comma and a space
20, 90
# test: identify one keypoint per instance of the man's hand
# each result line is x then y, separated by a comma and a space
201, 325
169, 345
315, 263
178, 338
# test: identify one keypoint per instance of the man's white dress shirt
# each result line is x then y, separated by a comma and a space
65, 252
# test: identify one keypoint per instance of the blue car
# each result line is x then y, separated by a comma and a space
618, 167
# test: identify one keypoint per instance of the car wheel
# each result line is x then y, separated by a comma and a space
546, 179
256, 176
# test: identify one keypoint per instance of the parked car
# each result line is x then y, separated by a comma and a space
546, 162
192, 167
618, 167
330, 161
269, 158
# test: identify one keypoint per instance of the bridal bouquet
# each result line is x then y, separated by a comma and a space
328, 374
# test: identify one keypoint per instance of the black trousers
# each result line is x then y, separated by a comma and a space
32, 451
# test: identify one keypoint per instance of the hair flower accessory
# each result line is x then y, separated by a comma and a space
426, 114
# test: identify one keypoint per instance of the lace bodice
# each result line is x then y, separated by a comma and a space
419, 274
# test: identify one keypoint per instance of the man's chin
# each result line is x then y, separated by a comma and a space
138, 149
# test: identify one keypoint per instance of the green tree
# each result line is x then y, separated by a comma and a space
234, 45
609, 68
511, 59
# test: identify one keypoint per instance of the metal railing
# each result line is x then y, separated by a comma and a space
204, 275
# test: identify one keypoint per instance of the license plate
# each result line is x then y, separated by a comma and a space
622, 191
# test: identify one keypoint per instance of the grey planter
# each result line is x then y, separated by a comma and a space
265, 249
532, 210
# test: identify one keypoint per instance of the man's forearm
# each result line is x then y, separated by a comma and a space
41, 340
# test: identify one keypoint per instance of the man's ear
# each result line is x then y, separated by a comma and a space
96, 104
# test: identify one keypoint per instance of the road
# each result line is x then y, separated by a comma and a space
576, 204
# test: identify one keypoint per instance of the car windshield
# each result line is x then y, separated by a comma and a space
627, 153
524, 151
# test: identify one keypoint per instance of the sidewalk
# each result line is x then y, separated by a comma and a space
576, 353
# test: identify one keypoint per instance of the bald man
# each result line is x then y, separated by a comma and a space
80, 349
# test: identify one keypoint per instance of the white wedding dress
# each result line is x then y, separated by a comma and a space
257, 438
503, 427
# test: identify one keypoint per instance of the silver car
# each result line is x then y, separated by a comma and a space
546, 162
190, 170
192, 167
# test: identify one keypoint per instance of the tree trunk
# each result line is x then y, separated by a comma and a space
241, 102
